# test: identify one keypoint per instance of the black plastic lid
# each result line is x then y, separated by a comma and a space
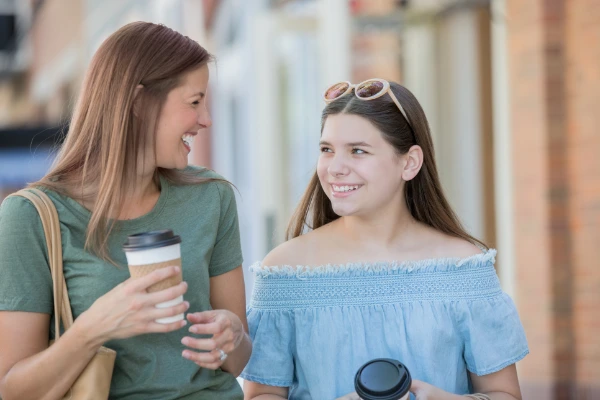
150, 240
382, 379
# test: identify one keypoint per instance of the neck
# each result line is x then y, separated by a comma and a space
384, 228
144, 186
141, 198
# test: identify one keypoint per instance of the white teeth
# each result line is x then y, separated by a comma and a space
344, 188
188, 139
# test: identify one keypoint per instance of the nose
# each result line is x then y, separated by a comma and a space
204, 119
338, 166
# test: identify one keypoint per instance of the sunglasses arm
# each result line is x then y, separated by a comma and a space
399, 106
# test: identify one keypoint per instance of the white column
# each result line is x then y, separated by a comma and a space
459, 146
502, 154
268, 146
335, 41
420, 70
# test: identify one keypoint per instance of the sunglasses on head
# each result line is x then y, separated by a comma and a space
366, 90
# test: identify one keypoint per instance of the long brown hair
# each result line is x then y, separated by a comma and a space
99, 159
423, 194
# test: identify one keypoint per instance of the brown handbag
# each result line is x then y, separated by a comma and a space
94, 381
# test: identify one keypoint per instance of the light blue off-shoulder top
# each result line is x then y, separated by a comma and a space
312, 328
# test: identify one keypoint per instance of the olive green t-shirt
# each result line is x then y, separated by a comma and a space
148, 366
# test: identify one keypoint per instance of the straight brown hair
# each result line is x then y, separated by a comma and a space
423, 194
99, 159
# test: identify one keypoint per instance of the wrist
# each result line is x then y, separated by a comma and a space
85, 330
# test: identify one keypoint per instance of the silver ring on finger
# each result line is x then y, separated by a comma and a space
222, 355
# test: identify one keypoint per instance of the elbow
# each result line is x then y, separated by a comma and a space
10, 390
4, 394
5, 391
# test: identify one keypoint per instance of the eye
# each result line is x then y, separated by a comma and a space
325, 150
358, 151
196, 102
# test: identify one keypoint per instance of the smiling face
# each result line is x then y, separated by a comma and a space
182, 116
359, 171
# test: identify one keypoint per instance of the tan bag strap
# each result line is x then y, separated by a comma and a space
51, 224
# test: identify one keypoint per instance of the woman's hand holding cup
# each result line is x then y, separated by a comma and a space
129, 310
227, 333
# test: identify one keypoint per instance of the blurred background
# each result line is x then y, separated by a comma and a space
511, 89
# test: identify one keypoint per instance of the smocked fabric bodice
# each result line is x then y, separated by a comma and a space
287, 288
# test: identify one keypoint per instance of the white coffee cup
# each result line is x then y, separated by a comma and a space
149, 251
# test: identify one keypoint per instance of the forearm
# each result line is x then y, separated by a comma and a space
269, 397
237, 359
49, 374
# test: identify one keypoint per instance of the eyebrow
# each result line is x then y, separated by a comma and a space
351, 144
201, 94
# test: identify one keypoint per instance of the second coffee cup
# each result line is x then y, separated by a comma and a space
383, 379
149, 251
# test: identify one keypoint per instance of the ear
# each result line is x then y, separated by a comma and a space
413, 162
138, 88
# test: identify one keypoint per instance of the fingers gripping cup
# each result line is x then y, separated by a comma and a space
383, 379
149, 251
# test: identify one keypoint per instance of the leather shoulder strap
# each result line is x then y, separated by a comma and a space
51, 225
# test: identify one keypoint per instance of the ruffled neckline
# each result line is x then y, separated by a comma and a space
375, 268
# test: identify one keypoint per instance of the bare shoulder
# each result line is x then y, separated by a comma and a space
446, 246
453, 247
282, 254
460, 248
301, 250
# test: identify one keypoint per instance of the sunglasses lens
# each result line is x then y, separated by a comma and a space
336, 90
369, 89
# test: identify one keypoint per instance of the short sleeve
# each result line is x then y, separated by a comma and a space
492, 333
227, 252
272, 334
25, 280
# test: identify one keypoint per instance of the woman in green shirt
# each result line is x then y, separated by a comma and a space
123, 170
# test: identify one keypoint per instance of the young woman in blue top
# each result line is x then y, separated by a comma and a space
386, 271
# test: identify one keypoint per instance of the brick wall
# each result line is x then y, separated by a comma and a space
554, 56
582, 75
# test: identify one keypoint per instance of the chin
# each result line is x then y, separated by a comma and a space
175, 165
344, 211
